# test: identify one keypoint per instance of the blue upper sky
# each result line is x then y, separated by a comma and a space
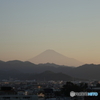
70, 27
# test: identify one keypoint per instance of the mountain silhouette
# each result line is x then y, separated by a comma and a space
49, 75
51, 56
28, 70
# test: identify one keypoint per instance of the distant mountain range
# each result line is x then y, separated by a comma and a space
51, 56
49, 75
28, 70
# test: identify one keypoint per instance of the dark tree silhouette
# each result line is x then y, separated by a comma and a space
69, 86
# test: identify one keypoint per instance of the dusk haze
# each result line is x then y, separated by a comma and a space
70, 27
49, 49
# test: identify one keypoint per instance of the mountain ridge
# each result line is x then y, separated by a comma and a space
86, 71
51, 56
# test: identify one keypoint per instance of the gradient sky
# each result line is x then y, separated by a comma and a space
70, 27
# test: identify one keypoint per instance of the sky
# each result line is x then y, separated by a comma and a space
70, 27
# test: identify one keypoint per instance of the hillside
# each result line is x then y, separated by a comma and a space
14, 68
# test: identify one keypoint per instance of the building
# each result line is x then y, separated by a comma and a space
18, 97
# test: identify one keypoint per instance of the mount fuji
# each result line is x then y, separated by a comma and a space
51, 56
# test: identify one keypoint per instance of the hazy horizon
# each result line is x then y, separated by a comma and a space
29, 27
